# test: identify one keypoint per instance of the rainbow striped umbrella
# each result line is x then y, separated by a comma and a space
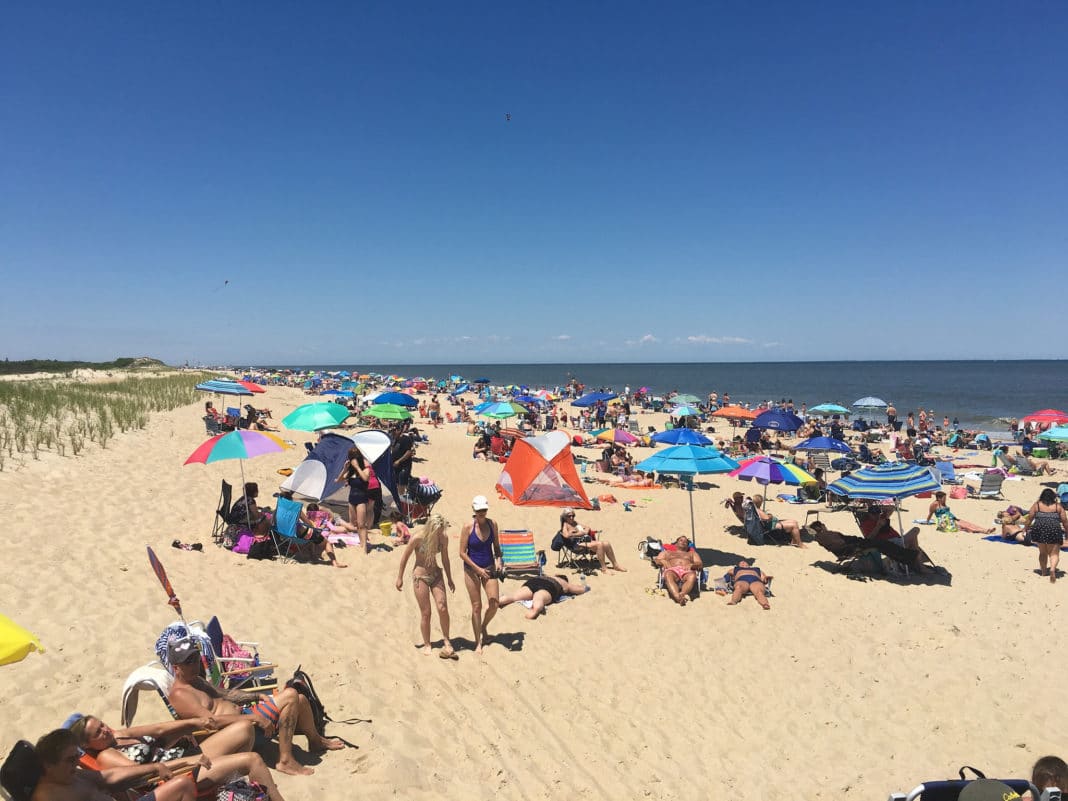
765, 470
241, 444
888, 481
617, 435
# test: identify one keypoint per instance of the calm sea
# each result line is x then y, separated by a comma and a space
981, 394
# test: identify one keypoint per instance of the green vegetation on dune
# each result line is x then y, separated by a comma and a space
65, 416
8, 367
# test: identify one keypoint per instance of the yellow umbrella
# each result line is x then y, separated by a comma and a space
15, 642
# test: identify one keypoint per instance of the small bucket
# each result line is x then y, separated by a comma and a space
386, 528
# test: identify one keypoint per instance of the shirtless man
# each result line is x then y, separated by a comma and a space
62, 779
286, 713
682, 565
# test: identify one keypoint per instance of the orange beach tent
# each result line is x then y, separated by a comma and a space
541, 472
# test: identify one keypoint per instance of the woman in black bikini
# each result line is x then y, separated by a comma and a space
356, 473
429, 579
542, 591
748, 579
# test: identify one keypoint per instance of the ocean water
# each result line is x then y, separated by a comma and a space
981, 394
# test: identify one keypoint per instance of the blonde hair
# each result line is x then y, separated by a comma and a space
429, 538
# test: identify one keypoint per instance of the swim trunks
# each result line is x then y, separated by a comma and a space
680, 572
266, 709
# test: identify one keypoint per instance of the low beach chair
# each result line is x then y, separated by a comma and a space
1023, 467
518, 555
241, 666
212, 425
1005, 460
567, 556
947, 473
757, 533
990, 487
284, 531
950, 790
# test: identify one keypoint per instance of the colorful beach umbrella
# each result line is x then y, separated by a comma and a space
222, 387
765, 470
823, 444
502, 410
888, 481
618, 435
241, 444
388, 411
16, 643
1050, 416
680, 436
735, 413
253, 387
827, 409
316, 417
688, 460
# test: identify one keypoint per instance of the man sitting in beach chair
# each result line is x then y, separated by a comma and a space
284, 714
854, 550
681, 568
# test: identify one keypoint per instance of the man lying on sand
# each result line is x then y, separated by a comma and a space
286, 713
541, 591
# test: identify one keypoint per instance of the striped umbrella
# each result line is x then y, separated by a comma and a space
765, 470
618, 435
241, 444
888, 481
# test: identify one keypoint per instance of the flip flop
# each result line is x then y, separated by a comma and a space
443, 654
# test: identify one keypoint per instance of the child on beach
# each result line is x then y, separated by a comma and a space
428, 579
400, 529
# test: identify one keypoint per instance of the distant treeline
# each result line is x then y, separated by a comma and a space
8, 367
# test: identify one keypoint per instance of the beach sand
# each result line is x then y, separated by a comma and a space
847, 688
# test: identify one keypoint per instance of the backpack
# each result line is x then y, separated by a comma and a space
302, 683
21, 771
261, 549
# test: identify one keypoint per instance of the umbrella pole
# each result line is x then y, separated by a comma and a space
248, 514
693, 526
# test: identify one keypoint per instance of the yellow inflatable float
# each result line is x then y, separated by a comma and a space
15, 642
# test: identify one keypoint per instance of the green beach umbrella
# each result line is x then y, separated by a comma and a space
388, 411
316, 416
685, 399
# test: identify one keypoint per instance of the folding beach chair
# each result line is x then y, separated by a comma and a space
947, 473
518, 554
212, 426
950, 790
821, 460
1006, 462
219, 527
633, 427
239, 661
284, 531
990, 487
567, 556
1023, 467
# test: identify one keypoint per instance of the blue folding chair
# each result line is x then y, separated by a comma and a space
947, 473
284, 531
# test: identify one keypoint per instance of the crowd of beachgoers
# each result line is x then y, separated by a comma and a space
222, 732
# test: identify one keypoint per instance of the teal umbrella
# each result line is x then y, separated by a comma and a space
689, 461
316, 416
1058, 434
829, 409
685, 411
685, 399
502, 410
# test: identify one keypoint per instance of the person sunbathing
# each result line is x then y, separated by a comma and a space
284, 714
772, 523
541, 591
1014, 524
749, 580
875, 525
681, 566
946, 519
1039, 468
736, 503
580, 540
63, 780
844, 546
228, 751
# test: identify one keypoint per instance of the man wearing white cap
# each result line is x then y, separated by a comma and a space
480, 551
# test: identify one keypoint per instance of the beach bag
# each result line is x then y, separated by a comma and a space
261, 548
958, 493
21, 771
231, 650
649, 548
244, 542
302, 683
372, 479
241, 790
558, 541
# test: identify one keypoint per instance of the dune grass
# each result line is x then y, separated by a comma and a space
65, 417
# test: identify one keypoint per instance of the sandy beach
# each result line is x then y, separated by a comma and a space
848, 688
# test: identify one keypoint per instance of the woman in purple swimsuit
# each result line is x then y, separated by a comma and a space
480, 551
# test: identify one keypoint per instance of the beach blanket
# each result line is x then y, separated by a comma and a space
784, 496
999, 538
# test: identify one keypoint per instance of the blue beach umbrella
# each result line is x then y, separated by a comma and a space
1058, 434
823, 444
688, 460
888, 481
397, 399
590, 398
778, 420
825, 409
680, 436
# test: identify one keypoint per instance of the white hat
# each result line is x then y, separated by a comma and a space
479, 502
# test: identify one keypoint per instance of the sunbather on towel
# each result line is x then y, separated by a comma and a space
542, 591
681, 568
227, 751
285, 713
63, 780
749, 580
1014, 524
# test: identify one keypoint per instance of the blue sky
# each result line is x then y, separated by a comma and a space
339, 183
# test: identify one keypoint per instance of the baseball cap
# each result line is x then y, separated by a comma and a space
479, 502
181, 651
987, 790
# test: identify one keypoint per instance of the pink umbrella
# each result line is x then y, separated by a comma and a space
618, 435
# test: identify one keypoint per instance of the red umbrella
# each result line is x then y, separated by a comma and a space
252, 387
161, 574
1052, 416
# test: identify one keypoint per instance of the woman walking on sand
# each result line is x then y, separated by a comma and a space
429, 580
480, 550
1048, 524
